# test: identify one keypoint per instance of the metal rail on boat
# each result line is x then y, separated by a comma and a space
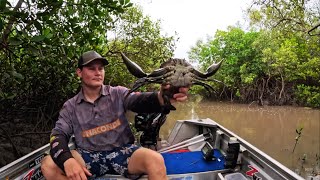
258, 154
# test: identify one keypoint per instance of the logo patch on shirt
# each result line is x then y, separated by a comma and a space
101, 129
52, 138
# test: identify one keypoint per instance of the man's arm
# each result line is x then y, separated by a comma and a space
60, 136
59, 151
149, 102
143, 102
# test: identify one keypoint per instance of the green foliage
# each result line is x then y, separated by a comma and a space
287, 17
291, 55
141, 40
241, 62
308, 95
41, 41
279, 63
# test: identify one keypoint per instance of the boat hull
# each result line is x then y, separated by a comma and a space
246, 162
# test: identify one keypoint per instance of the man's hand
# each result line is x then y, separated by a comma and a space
180, 96
75, 171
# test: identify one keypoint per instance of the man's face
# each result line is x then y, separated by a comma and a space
92, 74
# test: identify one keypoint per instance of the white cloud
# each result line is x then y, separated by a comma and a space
193, 20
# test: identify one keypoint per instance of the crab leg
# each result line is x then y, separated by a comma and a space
160, 72
210, 71
137, 71
213, 69
159, 78
166, 95
204, 79
140, 82
146, 80
133, 68
207, 86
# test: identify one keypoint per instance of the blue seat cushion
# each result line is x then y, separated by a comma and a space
192, 162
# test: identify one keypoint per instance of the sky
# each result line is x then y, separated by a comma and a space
194, 19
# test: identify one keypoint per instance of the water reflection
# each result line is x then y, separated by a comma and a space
271, 129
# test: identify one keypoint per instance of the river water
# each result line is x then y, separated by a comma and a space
272, 129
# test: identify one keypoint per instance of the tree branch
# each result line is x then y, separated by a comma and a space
7, 31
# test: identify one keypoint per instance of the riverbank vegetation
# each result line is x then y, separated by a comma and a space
274, 62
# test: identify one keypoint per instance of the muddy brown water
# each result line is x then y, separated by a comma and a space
272, 129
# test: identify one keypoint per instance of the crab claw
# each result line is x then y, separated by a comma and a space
133, 68
210, 71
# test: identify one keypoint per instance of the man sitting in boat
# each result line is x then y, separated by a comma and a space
104, 141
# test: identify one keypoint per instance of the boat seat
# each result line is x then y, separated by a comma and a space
192, 162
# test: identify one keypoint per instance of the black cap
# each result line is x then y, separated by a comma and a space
89, 56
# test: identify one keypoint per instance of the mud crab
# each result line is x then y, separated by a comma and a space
176, 72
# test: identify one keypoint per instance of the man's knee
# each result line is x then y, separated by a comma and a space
150, 159
50, 170
155, 158
155, 165
48, 167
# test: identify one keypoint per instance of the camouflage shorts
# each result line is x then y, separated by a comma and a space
116, 161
